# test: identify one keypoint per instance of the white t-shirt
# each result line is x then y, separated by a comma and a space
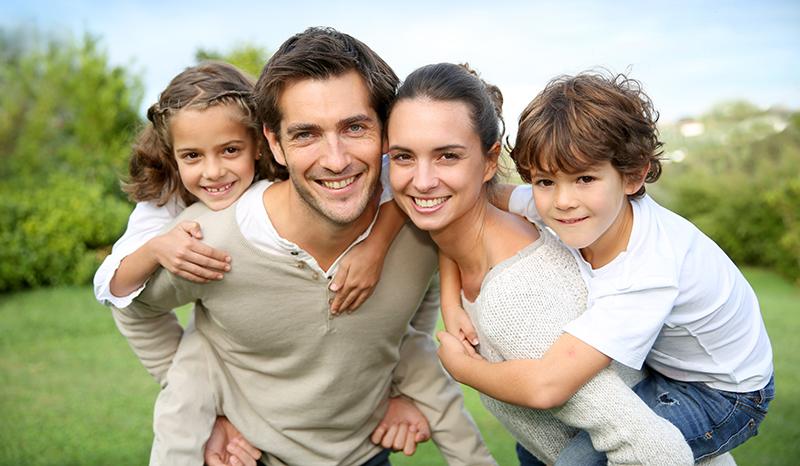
674, 300
148, 219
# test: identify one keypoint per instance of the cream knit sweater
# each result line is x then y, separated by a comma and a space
524, 303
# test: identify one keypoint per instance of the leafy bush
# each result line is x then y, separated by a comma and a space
52, 234
66, 118
740, 184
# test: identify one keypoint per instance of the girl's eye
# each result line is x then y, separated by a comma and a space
190, 156
231, 150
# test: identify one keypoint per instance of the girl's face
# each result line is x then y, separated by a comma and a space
438, 168
588, 210
216, 154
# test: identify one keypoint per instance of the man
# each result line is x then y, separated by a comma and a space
301, 385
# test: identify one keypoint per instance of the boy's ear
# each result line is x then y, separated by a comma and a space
491, 162
635, 184
275, 146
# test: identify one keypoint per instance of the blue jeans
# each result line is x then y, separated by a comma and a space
526, 458
712, 421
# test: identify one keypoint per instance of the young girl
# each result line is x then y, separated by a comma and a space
519, 284
660, 292
203, 144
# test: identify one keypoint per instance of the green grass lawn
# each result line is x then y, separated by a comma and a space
73, 393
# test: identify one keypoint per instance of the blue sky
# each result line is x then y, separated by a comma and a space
689, 54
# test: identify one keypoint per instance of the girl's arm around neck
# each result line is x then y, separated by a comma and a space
533, 383
361, 267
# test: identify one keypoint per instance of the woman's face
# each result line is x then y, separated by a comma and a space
437, 167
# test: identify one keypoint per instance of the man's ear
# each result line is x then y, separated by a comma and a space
491, 162
275, 146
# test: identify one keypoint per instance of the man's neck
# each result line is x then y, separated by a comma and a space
314, 233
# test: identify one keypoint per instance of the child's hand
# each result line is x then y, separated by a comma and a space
457, 323
357, 277
227, 447
402, 427
453, 353
181, 252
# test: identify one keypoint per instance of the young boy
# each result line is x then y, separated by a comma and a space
660, 291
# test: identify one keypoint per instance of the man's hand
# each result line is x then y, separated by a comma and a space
402, 427
227, 447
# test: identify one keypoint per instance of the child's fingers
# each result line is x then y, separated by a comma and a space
192, 228
388, 438
249, 449
400, 437
410, 446
377, 435
360, 298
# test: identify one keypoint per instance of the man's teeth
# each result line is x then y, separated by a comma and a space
216, 190
429, 202
338, 184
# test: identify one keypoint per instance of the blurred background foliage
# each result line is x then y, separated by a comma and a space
67, 118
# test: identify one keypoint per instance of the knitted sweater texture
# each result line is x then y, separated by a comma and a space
524, 303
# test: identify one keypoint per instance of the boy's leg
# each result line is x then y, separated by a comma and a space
712, 421
526, 458
186, 409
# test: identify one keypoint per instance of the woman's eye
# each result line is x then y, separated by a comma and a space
450, 156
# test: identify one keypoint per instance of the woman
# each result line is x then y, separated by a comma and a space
519, 284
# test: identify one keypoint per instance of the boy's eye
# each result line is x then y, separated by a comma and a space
586, 179
543, 183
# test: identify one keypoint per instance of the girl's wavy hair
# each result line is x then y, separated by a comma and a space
579, 122
153, 170
449, 82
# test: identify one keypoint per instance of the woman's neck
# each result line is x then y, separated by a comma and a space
479, 241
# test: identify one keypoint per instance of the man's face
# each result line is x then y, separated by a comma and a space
330, 141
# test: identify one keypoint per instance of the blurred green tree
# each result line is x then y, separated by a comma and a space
66, 118
740, 183
247, 57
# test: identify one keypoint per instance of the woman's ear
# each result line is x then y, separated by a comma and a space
492, 158
275, 146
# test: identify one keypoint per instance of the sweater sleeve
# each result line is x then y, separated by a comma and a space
150, 326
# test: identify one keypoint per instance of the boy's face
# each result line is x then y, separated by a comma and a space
588, 210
